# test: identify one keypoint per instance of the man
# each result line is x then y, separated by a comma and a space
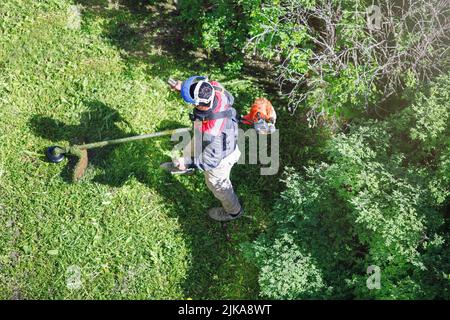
214, 148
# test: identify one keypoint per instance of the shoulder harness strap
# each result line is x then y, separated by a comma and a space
217, 88
212, 116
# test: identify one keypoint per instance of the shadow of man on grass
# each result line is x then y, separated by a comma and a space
186, 196
100, 122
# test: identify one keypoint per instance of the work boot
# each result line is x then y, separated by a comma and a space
219, 214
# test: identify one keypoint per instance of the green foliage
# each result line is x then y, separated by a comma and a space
134, 232
379, 200
431, 114
327, 57
286, 272
220, 26
234, 29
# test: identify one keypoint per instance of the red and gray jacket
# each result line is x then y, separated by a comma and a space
215, 130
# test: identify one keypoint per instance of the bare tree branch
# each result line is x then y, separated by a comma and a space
412, 39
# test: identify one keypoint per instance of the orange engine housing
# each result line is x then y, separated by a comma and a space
261, 109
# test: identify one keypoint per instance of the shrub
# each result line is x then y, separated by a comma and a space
379, 200
337, 57
286, 272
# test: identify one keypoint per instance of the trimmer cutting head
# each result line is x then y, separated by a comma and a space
57, 154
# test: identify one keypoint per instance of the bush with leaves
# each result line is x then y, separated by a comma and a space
292, 274
341, 57
337, 57
220, 27
381, 199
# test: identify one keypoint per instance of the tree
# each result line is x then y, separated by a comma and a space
342, 57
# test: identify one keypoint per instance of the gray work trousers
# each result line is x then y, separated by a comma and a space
218, 181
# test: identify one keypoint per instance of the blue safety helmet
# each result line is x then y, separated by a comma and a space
196, 81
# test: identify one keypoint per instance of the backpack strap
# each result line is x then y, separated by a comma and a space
212, 116
218, 88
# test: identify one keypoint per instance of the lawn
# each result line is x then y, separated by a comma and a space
127, 230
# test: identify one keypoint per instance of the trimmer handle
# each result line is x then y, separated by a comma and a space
172, 82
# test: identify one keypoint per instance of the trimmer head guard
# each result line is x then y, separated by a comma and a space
81, 166
55, 154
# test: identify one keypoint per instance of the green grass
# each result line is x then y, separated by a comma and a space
131, 230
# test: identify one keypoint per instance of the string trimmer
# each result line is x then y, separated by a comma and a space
56, 154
